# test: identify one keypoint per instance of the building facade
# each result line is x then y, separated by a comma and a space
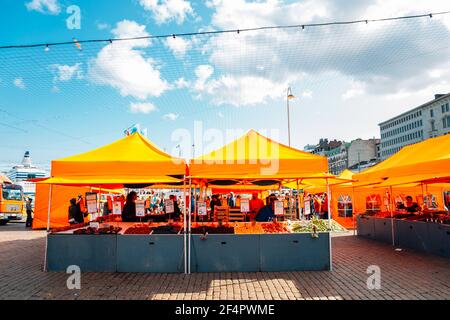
429, 120
354, 155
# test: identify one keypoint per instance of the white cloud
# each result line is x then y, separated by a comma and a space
167, 10
123, 66
307, 94
182, 83
144, 107
102, 26
356, 89
171, 116
66, 72
44, 6
178, 46
385, 57
19, 83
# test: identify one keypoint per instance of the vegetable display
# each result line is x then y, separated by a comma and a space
315, 225
274, 227
248, 228
138, 229
101, 230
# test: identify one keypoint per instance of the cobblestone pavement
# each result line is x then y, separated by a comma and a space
404, 275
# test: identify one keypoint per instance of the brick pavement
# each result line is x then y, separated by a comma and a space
405, 275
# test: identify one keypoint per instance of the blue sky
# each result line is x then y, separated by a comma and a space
346, 79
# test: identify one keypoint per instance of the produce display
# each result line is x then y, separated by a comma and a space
101, 230
274, 227
139, 229
109, 218
248, 228
212, 230
166, 230
315, 225
71, 227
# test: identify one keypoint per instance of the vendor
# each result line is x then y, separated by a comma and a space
75, 214
267, 212
129, 209
215, 202
410, 206
255, 205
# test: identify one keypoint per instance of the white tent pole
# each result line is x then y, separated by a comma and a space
329, 204
353, 211
329, 221
189, 226
48, 226
392, 203
184, 226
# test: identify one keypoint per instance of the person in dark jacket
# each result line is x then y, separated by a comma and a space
267, 212
129, 209
75, 214
29, 213
215, 202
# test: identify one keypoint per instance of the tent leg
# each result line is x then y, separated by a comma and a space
392, 203
189, 226
329, 221
353, 211
184, 227
48, 227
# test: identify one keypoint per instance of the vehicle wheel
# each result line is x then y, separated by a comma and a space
3, 222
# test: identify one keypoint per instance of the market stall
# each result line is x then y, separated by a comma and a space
102, 244
257, 160
418, 174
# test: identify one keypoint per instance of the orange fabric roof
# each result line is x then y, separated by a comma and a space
254, 156
428, 159
132, 159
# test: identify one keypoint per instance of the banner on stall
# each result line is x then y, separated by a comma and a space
201, 209
169, 206
279, 208
307, 207
140, 208
91, 202
245, 205
116, 208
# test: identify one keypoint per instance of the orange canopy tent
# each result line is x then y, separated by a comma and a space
130, 160
254, 156
426, 160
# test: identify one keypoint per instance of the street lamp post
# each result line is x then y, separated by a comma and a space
289, 96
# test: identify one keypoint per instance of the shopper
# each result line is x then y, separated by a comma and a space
267, 212
129, 209
231, 200
255, 205
215, 202
75, 214
29, 209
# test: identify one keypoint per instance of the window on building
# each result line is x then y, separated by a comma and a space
433, 126
443, 108
431, 113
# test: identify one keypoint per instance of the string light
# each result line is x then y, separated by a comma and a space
235, 30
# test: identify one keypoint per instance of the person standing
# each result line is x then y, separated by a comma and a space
29, 209
129, 209
75, 214
256, 204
